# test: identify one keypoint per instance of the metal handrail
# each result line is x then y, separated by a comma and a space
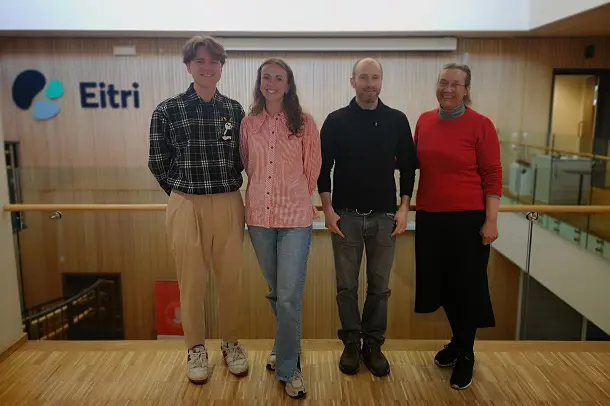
67, 302
510, 208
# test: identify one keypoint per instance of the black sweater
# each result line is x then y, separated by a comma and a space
366, 147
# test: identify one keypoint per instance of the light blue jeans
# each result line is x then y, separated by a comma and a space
282, 255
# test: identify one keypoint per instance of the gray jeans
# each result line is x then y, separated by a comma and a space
373, 233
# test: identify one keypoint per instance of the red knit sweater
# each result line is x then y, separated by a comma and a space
459, 162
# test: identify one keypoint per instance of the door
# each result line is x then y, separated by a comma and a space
573, 113
580, 119
601, 140
586, 129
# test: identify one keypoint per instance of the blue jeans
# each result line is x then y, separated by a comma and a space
282, 255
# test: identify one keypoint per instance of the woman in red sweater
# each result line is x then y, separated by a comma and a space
460, 184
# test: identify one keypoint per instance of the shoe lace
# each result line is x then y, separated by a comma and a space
373, 349
196, 359
353, 347
235, 352
452, 345
297, 378
463, 359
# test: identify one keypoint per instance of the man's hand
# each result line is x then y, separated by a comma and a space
332, 218
401, 220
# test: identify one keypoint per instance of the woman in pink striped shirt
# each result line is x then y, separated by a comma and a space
280, 149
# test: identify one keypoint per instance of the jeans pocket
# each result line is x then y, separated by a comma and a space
392, 217
341, 214
385, 228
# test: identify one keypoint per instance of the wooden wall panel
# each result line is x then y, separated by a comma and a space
100, 156
511, 84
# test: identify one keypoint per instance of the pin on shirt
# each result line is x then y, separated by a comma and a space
228, 127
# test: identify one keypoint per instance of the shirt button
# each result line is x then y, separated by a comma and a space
270, 162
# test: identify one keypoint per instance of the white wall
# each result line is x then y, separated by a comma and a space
543, 12
577, 277
231, 16
10, 313
275, 16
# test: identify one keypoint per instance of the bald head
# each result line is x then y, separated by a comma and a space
366, 81
366, 63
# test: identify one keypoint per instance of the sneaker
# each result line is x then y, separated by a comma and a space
461, 378
447, 356
235, 358
271, 362
374, 360
270, 365
295, 388
197, 365
349, 363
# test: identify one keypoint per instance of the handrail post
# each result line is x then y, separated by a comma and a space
531, 217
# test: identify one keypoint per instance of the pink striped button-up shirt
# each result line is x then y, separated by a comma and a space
282, 171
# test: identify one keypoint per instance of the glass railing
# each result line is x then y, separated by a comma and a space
539, 284
558, 175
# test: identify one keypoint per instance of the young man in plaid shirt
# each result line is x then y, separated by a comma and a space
194, 155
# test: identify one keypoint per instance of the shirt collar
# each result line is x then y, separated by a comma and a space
193, 98
264, 117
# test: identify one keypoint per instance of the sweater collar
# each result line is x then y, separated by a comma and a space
453, 113
356, 107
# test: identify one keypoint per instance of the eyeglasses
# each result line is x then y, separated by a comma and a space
444, 85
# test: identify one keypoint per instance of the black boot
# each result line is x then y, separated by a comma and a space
461, 378
448, 355
350, 359
374, 359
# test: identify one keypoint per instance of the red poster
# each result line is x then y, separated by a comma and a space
167, 309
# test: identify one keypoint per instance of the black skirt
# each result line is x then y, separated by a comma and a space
451, 265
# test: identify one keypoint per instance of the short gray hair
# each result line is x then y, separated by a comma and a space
464, 68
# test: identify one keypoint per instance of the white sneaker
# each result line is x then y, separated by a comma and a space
271, 362
295, 388
235, 358
197, 365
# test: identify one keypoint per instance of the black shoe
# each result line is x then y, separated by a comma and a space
447, 356
374, 360
350, 359
461, 378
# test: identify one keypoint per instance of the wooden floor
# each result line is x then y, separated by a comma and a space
153, 373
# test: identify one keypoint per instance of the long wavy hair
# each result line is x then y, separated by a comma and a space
290, 104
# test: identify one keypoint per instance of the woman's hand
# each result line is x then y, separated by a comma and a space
489, 232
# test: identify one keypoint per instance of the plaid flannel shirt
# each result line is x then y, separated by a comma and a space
194, 144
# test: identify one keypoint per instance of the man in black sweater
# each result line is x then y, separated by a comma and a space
366, 142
